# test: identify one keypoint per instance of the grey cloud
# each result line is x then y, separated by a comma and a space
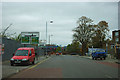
33, 16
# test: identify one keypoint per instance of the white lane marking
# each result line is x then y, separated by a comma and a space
108, 76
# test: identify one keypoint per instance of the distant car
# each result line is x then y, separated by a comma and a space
23, 56
73, 53
60, 53
57, 53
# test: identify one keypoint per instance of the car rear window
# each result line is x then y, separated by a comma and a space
21, 53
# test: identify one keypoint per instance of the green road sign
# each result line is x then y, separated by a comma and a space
35, 40
29, 37
25, 40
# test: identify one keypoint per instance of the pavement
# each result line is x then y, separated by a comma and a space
111, 60
8, 70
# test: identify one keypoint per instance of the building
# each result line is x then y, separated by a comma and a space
116, 36
116, 42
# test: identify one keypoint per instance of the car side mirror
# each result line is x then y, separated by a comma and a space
13, 54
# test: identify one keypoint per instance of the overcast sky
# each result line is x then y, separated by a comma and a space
32, 16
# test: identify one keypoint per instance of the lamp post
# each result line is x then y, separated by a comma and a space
46, 29
46, 35
49, 38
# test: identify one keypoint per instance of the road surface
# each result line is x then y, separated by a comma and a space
67, 66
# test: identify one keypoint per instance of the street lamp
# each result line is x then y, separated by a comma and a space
46, 29
49, 38
46, 34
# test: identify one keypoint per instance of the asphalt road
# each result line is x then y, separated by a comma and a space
70, 67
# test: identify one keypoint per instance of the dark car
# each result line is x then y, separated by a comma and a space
73, 53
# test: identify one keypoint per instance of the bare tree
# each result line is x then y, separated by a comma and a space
3, 33
84, 32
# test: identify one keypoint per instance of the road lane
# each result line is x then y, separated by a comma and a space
69, 67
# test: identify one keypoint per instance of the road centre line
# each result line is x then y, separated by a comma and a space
38, 64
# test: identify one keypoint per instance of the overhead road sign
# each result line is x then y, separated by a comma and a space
29, 37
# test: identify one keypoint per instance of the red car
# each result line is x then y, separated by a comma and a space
57, 53
23, 56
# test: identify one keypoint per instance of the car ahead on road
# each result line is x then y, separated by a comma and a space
23, 55
73, 53
57, 54
99, 54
